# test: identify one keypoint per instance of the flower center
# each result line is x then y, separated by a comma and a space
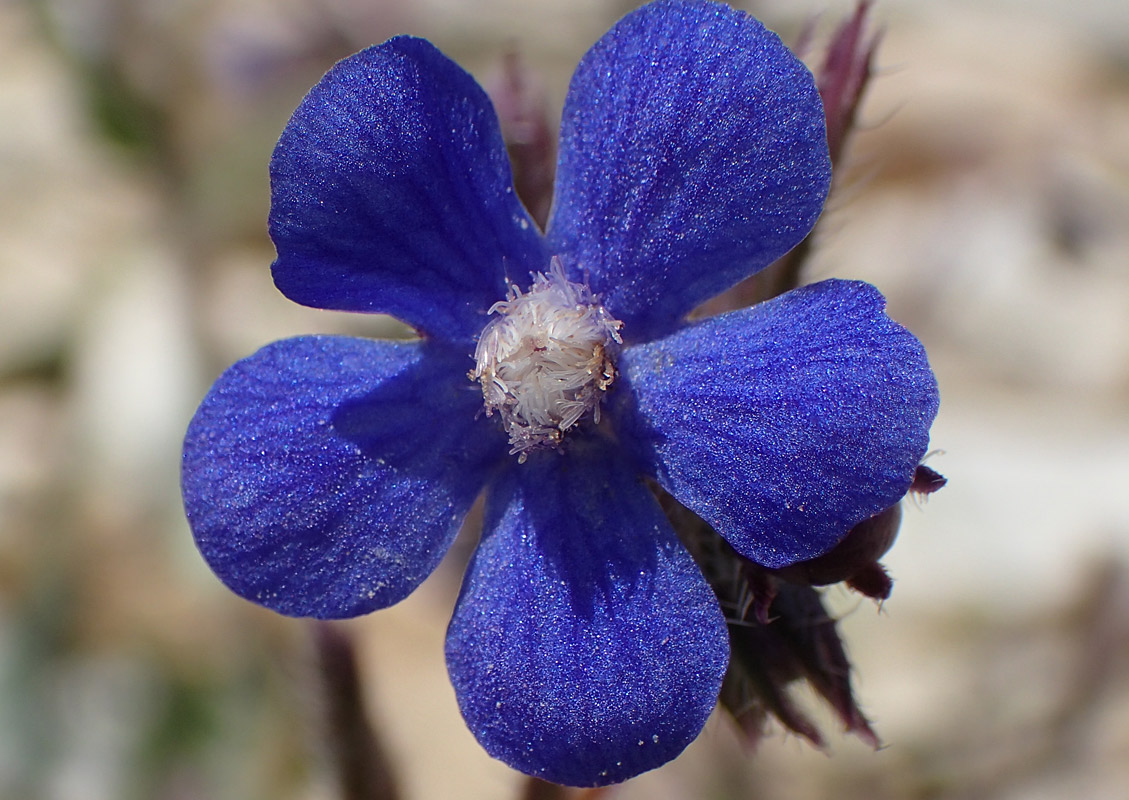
547, 359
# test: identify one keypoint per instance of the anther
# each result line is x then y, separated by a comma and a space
547, 360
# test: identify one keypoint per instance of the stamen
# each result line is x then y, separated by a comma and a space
547, 359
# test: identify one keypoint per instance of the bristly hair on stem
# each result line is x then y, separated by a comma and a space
779, 634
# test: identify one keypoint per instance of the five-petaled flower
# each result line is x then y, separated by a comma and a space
326, 476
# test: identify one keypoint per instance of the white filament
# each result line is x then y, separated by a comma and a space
546, 360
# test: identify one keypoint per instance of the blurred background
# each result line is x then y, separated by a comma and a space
986, 192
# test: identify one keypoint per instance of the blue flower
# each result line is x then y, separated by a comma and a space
327, 476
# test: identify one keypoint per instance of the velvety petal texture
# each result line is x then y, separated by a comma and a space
391, 191
785, 424
586, 646
327, 476
693, 153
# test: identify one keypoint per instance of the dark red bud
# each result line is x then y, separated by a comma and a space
872, 581
926, 480
858, 552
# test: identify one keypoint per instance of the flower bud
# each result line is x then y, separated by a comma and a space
855, 558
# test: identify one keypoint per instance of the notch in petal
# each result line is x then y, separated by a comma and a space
327, 476
391, 192
693, 153
586, 646
786, 424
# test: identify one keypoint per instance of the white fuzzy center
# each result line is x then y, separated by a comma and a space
547, 359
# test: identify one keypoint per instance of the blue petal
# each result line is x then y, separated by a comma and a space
693, 153
785, 424
391, 191
586, 646
327, 476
